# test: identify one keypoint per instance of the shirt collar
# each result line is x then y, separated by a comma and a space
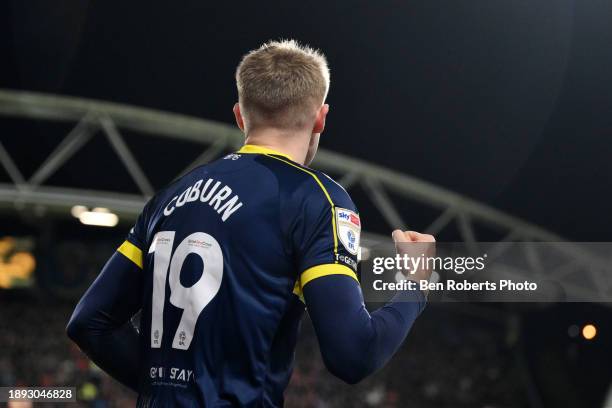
249, 148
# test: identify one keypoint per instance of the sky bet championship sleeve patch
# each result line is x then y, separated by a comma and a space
349, 229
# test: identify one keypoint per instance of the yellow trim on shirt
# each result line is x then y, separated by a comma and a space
319, 271
131, 252
298, 291
331, 203
248, 148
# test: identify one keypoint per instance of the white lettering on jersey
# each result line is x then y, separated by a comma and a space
220, 202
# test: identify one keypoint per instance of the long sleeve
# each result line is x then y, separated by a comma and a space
100, 324
324, 227
353, 342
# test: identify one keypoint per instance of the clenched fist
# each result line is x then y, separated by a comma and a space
415, 245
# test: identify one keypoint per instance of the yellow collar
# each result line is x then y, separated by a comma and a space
249, 148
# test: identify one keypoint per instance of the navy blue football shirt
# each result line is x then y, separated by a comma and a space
225, 252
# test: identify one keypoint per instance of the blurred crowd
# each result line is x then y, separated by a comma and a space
36, 352
449, 360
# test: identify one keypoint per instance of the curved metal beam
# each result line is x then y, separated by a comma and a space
215, 138
177, 126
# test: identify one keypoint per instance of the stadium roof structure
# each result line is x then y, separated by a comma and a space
93, 117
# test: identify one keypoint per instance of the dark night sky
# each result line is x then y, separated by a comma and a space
508, 102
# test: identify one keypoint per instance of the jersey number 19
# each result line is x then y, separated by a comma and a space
191, 299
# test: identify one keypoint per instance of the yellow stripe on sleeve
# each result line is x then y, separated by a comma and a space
131, 252
318, 272
298, 291
325, 270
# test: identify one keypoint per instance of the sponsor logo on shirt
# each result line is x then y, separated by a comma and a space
348, 229
348, 261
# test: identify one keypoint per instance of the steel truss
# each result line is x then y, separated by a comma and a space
215, 138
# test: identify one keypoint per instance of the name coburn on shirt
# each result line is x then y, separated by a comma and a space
218, 199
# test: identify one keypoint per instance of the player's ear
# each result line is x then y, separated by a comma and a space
238, 116
319, 124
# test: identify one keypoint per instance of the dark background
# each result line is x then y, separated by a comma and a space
507, 102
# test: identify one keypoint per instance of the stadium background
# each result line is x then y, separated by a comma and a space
505, 103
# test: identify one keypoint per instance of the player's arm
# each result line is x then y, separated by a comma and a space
100, 324
353, 342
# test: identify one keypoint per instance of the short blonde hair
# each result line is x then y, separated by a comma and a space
282, 83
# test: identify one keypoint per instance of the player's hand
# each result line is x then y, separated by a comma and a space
415, 245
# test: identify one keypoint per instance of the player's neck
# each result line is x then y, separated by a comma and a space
292, 144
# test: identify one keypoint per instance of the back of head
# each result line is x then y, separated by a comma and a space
282, 84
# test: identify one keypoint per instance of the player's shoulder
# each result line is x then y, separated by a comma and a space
308, 184
338, 194
285, 170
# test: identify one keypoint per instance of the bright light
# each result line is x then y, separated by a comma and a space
589, 332
101, 217
77, 210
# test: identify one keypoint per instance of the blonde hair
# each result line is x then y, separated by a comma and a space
282, 84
